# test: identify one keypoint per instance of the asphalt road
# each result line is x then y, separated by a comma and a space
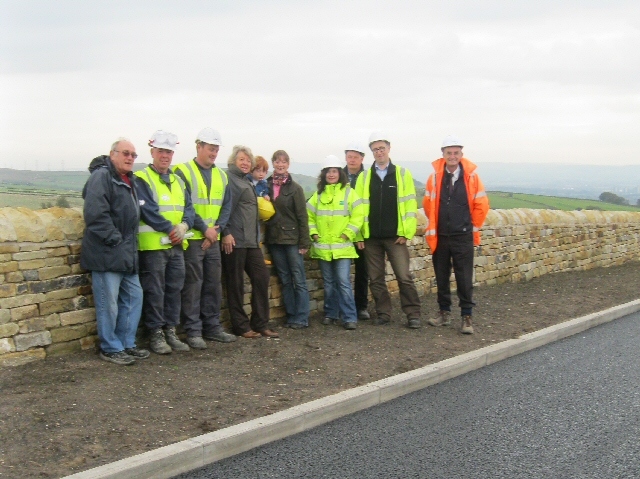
570, 409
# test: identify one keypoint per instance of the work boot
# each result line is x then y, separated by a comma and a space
443, 318
363, 315
327, 321
120, 357
414, 323
221, 337
350, 325
466, 328
157, 343
173, 341
137, 353
196, 342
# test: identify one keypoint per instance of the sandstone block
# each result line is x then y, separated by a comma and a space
8, 329
76, 269
24, 312
7, 290
60, 349
21, 300
18, 359
8, 248
39, 324
32, 340
61, 251
5, 316
56, 261
31, 264
61, 294
73, 259
68, 333
75, 248
88, 342
53, 272
14, 277
29, 255
77, 317
57, 306
8, 267
7, 346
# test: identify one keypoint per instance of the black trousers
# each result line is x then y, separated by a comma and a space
458, 251
361, 282
251, 261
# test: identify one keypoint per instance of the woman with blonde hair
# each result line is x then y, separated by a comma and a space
241, 251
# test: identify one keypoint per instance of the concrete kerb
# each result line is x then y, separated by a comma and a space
196, 452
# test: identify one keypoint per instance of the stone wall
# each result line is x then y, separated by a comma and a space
46, 306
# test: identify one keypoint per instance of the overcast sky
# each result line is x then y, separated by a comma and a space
543, 81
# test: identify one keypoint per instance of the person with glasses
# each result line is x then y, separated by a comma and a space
336, 214
456, 205
110, 251
166, 215
389, 197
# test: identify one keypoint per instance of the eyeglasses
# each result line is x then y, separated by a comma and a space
379, 149
127, 153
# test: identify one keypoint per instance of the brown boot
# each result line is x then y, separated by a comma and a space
467, 327
443, 318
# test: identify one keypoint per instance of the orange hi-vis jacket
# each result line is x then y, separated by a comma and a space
478, 200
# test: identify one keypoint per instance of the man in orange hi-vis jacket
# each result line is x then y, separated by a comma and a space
456, 206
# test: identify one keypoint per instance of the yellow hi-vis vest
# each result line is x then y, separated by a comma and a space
335, 212
407, 204
207, 207
170, 204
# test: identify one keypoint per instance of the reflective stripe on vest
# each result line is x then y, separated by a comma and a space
207, 207
170, 205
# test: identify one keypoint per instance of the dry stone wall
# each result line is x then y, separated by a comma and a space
46, 305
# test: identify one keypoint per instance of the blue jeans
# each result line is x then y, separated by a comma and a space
338, 296
118, 302
289, 264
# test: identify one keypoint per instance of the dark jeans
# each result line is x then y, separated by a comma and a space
202, 292
162, 278
361, 282
458, 250
375, 250
251, 261
289, 264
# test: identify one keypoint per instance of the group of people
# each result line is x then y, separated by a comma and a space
157, 240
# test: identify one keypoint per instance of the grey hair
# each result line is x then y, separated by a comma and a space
114, 145
241, 149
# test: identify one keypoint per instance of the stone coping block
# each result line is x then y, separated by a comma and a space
196, 452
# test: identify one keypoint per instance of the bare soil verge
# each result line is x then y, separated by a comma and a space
68, 414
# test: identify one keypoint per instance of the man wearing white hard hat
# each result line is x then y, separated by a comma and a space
389, 196
354, 155
166, 215
211, 198
456, 206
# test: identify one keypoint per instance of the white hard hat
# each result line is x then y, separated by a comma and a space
164, 139
332, 161
355, 146
378, 136
209, 135
451, 140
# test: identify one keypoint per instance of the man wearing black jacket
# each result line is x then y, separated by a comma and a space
354, 155
110, 252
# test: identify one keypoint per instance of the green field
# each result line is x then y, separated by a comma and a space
34, 198
505, 201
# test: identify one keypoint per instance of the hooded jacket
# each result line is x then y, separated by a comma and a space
111, 215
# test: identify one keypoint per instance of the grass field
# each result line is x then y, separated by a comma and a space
506, 201
34, 200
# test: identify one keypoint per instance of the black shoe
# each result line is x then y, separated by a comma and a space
363, 314
295, 325
414, 323
137, 353
351, 325
379, 321
120, 357
328, 321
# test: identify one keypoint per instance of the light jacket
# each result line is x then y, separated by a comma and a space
407, 205
171, 204
478, 200
337, 211
207, 206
